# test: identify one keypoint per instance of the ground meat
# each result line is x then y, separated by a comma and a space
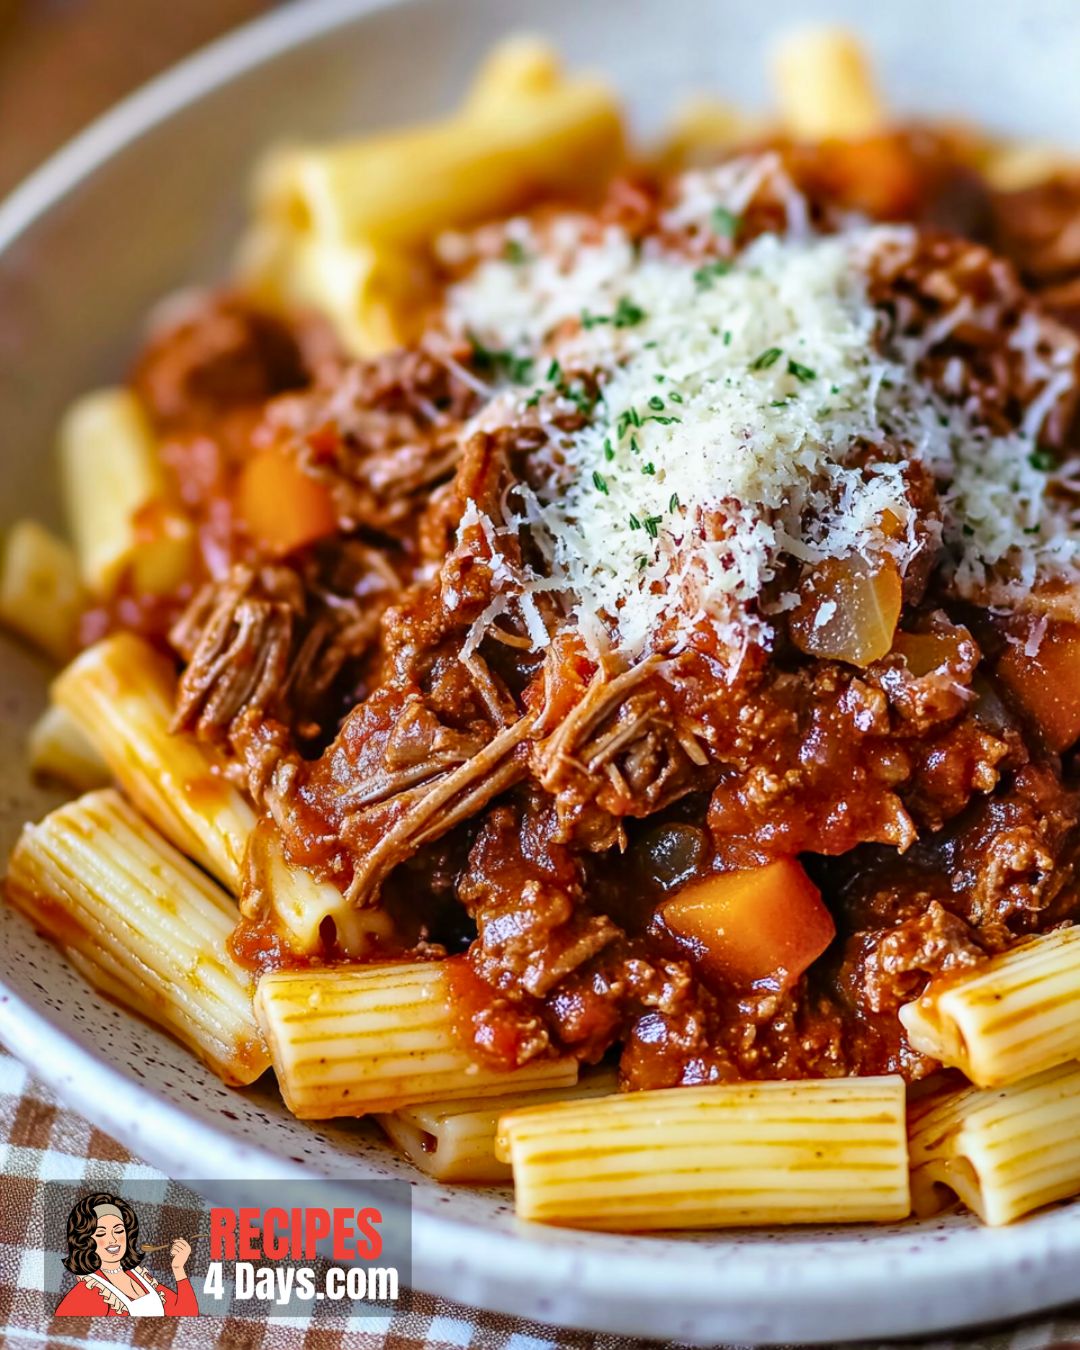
883, 968
1038, 227
526, 896
1012, 866
972, 303
433, 736
1006, 866
218, 354
823, 759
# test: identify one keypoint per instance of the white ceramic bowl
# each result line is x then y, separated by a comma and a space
149, 199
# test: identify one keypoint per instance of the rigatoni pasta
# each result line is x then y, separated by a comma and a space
143, 924
349, 1041
374, 296
41, 594
638, 559
302, 905
120, 694
747, 1154
110, 471
402, 188
517, 67
455, 1140
824, 86
1004, 1152
59, 750
1011, 1017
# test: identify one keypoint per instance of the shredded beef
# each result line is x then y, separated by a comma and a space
381, 434
274, 641
433, 736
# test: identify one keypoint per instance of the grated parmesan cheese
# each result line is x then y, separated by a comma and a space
736, 404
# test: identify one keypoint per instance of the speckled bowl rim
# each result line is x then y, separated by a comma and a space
824, 1287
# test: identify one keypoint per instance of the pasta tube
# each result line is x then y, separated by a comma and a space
516, 67
400, 189
58, 749
120, 694
703, 129
1004, 1152
824, 86
829, 1151
142, 923
110, 471
301, 903
455, 1140
349, 1040
373, 296
41, 595
1012, 1017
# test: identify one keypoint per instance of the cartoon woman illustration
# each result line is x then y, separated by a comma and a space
104, 1254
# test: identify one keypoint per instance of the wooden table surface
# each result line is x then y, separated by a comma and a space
64, 61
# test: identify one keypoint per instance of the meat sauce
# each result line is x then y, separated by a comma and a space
522, 816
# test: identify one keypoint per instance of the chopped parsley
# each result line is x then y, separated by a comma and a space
705, 275
600, 482
1043, 459
517, 369
768, 357
725, 223
627, 314
627, 419
801, 372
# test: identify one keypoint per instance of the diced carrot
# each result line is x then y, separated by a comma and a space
849, 609
283, 507
1047, 684
763, 925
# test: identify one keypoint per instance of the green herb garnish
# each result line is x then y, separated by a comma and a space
627, 314
705, 275
725, 222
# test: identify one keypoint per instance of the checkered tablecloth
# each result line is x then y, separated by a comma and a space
41, 1140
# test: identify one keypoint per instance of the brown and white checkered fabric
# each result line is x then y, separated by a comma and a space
39, 1140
